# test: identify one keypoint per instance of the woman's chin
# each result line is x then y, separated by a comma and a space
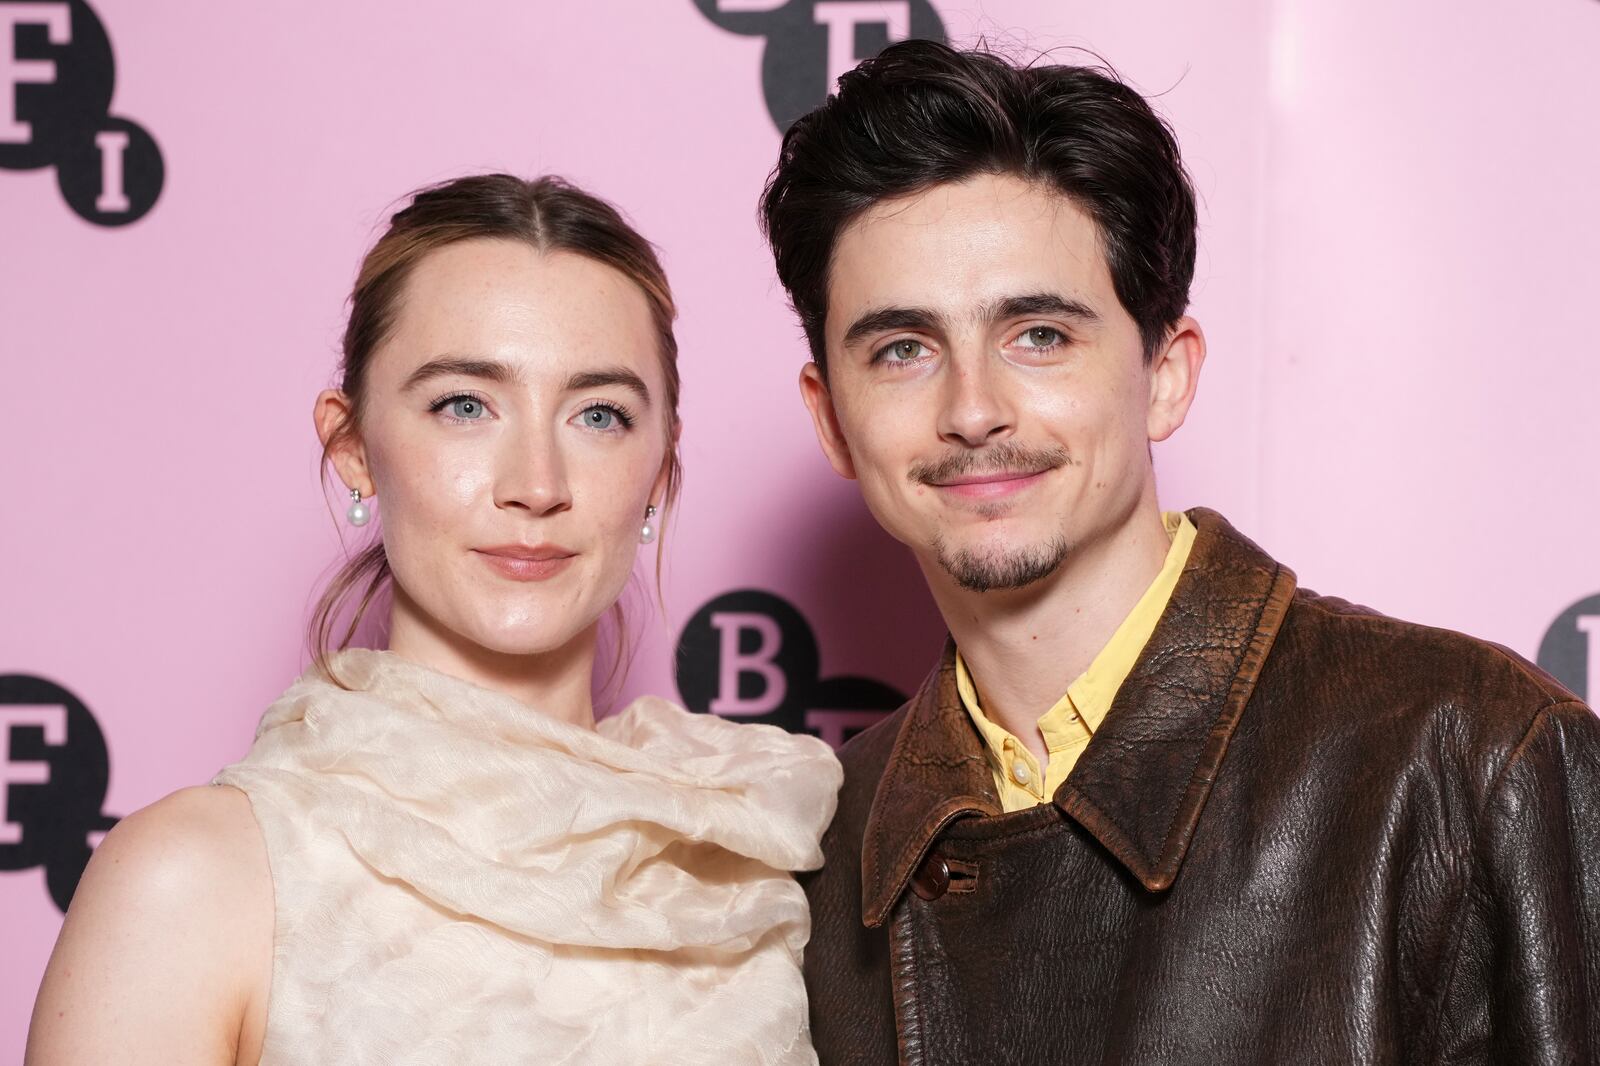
524, 639
480, 625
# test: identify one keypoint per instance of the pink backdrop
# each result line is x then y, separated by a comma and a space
1396, 277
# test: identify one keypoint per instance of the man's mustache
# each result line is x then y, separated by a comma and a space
1005, 458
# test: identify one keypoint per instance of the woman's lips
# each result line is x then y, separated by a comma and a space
527, 564
991, 486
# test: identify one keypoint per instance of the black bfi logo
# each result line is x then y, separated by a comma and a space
56, 79
811, 42
751, 656
53, 775
1570, 650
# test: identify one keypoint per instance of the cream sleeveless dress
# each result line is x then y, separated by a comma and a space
459, 879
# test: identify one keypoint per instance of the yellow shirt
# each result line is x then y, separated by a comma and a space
1071, 723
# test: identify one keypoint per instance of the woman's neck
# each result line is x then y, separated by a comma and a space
556, 683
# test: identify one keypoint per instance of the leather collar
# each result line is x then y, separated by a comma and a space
1141, 784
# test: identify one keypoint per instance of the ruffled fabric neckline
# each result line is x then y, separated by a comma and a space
568, 836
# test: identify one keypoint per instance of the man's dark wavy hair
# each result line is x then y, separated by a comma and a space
921, 113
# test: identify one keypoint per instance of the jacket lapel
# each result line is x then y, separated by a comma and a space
936, 773
1142, 782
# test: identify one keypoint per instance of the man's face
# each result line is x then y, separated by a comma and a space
985, 384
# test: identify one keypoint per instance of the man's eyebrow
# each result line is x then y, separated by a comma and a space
1038, 303
888, 319
453, 366
611, 375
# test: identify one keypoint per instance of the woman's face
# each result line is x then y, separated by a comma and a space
513, 432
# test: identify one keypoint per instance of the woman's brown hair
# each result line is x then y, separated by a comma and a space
547, 213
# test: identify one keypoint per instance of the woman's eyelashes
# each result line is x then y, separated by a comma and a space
461, 407
605, 417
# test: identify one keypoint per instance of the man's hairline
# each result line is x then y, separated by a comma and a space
819, 344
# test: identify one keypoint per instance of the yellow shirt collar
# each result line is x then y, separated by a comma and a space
1068, 726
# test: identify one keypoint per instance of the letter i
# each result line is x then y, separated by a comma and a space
113, 199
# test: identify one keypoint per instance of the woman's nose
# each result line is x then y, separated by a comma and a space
531, 475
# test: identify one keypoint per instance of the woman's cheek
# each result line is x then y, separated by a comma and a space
466, 482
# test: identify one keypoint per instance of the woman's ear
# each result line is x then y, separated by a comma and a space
333, 414
658, 491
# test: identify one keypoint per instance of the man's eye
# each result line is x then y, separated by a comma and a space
903, 351
1040, 337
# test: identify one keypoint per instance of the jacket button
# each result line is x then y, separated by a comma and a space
932, 878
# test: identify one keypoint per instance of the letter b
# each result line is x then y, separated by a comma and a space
733, 664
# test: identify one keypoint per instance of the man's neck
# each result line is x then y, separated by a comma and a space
1024, 648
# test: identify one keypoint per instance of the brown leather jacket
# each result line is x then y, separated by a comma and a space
1305, 833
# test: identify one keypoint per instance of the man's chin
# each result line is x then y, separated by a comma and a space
1001, 569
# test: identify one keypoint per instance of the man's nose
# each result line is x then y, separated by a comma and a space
976, 409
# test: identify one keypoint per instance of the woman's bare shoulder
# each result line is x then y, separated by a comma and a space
194, 855
208, 829
171, 925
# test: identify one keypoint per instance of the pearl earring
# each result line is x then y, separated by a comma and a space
359, 514
648, 533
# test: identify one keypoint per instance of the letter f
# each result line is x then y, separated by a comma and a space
57, 18
54, 721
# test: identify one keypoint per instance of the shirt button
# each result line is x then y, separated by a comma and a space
1019, 770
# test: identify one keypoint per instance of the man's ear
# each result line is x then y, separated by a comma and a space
332, 414
1174, 377
819, 401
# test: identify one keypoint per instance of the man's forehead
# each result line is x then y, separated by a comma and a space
960, 246
978, 197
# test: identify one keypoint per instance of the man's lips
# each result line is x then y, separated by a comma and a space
527, 563
992, 485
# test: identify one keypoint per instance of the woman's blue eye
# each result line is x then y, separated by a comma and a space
600, 418
466, 408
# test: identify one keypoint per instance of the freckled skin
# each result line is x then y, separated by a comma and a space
168, 958
529, 470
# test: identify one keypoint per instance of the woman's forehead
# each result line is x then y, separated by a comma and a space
543, 313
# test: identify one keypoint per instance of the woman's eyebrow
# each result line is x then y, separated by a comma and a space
611, 375
454, 366
506, 374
